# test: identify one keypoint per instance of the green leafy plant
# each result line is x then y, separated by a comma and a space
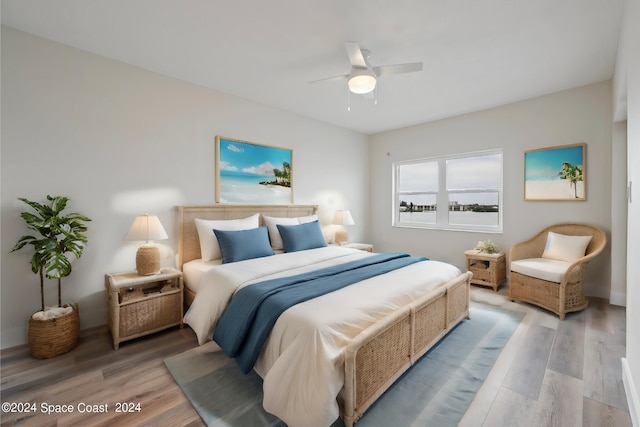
487, 246
59, 237
573, 174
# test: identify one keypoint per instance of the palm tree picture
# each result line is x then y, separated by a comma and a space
283, 176
573, 174
247, 172
556, 173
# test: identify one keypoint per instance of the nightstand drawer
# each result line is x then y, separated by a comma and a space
141, 305
150, 312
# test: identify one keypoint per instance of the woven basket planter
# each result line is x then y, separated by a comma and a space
53, 337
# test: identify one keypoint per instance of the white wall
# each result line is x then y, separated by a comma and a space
578, 115
120, 141
619, 214
630, 73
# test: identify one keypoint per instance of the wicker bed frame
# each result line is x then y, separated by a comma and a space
189, 243
381, 353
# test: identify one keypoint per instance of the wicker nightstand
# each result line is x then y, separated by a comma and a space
367, 247
141, 305
488, 269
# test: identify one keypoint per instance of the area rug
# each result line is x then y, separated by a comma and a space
436, 391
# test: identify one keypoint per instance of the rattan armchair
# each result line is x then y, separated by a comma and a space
567, 294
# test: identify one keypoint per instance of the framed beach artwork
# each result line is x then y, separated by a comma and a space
252, 173
556, 173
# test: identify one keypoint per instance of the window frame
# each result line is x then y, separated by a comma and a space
443, 193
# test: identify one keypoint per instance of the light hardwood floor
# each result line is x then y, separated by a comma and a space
555, 373
551, 373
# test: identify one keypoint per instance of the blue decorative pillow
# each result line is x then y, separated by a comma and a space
243, 244
301, 237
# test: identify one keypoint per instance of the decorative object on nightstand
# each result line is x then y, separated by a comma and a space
367, 247
148, 228
489, 269
342, 218
487, 246
141, 305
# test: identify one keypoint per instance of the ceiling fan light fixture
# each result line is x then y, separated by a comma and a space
362, 81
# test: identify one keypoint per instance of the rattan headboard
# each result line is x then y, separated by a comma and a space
188, 242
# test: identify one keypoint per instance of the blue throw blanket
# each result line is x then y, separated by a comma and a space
247, 321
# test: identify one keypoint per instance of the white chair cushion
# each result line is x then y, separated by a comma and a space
565, 248
550, 270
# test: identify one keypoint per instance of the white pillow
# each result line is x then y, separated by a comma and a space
272, 225
565, 248
209, 248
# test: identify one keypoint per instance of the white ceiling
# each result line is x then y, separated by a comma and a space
476, 53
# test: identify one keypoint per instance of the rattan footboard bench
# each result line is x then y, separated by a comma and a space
380, 354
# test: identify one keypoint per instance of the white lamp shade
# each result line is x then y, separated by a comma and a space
343, 217
362, 81
146, 227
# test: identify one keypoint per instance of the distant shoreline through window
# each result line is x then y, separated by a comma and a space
459, 192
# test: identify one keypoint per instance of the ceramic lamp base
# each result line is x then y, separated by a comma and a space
342, 236
148, 260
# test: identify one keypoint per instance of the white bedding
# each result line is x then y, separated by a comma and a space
302, 360
193, 271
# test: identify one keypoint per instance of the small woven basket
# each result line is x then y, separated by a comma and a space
53, 337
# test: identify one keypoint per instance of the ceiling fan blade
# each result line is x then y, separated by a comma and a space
388, 70
355, 55
344, 76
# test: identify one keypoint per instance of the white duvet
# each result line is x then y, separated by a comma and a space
302, 361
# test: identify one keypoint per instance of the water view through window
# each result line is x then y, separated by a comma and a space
459, 192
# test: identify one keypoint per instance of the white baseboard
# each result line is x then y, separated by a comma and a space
618, 298
630, 390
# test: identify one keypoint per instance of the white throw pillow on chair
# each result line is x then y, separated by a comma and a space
565, 248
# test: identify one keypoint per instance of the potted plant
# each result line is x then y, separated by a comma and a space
487, 246
60, 236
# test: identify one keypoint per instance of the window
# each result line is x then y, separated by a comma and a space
462, 192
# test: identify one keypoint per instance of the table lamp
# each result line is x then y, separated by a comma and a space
342, 217
147, 227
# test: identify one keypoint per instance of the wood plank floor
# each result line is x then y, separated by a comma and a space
551, 373
555, 373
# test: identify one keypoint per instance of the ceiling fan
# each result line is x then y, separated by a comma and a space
363, 77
